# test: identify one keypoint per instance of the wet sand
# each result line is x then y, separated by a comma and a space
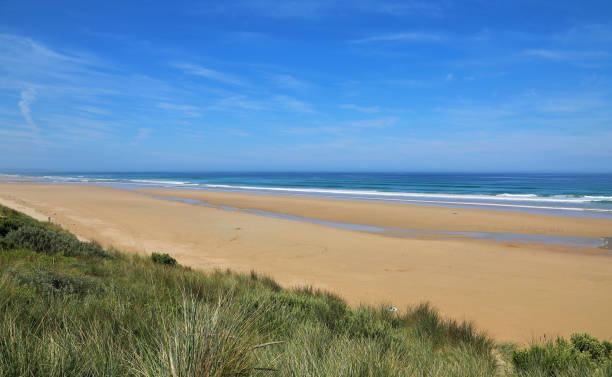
404, 216
515, 291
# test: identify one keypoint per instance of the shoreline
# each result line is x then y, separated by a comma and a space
579, 244
541, 199
404, 216
514, 291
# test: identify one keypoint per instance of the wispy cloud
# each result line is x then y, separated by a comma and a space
198, 70
10, 136
188, 110
288, 81
586, 35
567, 55
398, 81
107, 35
17, 46
93, 110
27, 97
67, 127
363, 109
400, 37
80, 134
372, 123
237, 101
307, 9
293, 104
402, 8
312, 130
343, 128
563, 104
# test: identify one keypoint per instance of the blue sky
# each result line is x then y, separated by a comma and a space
306, 85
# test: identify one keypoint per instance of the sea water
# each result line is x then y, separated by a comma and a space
583, 195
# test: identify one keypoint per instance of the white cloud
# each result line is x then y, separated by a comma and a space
294, 104
288, 81
321, 8
407, 82
567, 55
570, 103
27, 97
400, 37
16, 47
343, 128
208, 73
363, 109
586, 34
93, 110
236, 101
372, 123
188, 110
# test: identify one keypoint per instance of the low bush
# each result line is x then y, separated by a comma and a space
608, 346
8, 224
165, 259
588, 344
6, 244
12, 220
52, 242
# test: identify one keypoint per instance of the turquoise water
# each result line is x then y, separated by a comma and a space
582, 195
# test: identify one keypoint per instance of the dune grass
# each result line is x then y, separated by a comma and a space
69, 308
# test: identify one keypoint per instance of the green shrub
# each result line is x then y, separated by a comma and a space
163, 259
608, 346
40, 240
590, 345
9, 224
12, 220
6, 244
52, 242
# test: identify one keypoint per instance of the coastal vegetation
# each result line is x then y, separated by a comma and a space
73, 308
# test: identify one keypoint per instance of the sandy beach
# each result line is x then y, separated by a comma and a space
514, 291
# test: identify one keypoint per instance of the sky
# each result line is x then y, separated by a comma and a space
312, 85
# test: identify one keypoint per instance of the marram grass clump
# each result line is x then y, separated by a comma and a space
70, 308
583, 355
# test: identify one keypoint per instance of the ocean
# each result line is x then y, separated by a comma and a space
582, 195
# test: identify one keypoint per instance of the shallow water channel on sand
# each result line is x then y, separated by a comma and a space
573, 242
